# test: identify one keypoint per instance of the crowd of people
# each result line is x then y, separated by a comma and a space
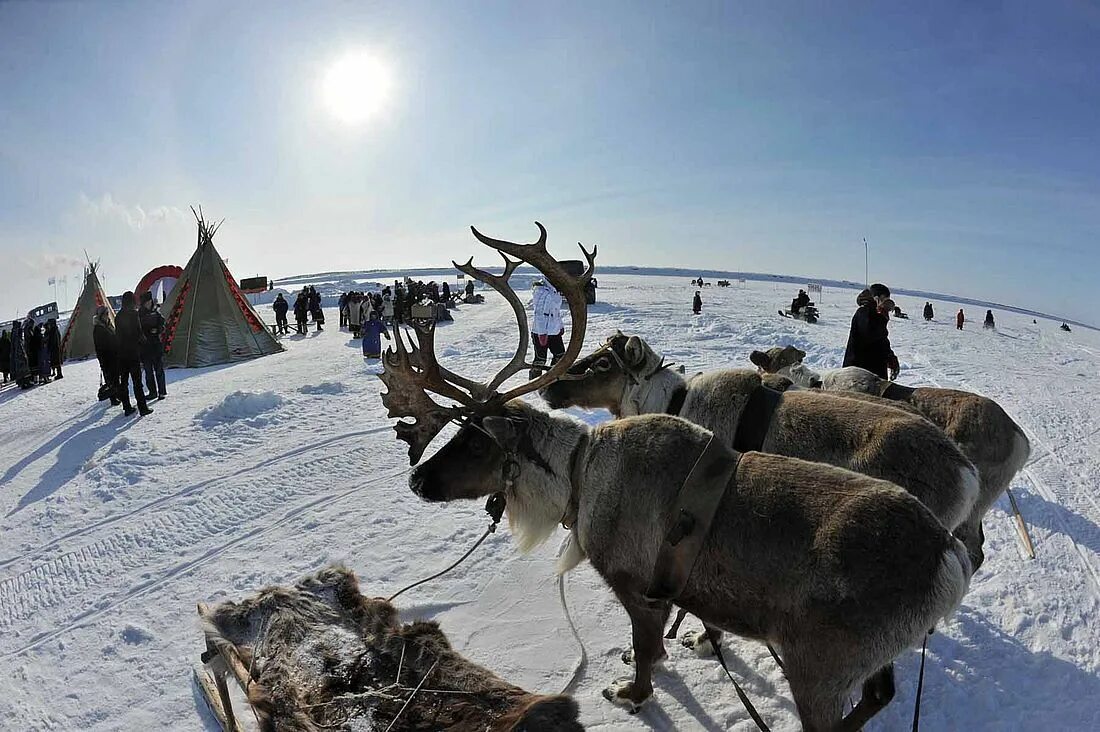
30, 355
128, 348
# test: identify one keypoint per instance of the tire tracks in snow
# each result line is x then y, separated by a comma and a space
1040, 486
86, 580
189, 490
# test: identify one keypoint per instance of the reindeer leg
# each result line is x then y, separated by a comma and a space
646, 624
877, 693
680, 615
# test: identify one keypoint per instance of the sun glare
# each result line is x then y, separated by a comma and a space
356, 87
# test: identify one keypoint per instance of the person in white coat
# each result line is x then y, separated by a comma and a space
546, 328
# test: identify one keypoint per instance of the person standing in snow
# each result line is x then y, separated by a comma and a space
372, 330
130, 343
447, 294
280, 306
869, 337
989, 324
387, 308
301, 310
5, 355
697, 303
959, 319
53, 343
547, 327
152, 351
33, 335
343, 305
315, 309
44, 374
928, 314
106, 351
355, 314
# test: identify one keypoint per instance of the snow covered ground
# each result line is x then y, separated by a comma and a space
111, 529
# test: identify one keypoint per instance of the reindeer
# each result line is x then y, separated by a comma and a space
839, 570
985, 433
626, 377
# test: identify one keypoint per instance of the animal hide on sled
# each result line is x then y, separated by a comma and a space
324, 657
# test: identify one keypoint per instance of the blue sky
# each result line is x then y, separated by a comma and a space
963, 140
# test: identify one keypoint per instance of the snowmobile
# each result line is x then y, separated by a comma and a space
806, 312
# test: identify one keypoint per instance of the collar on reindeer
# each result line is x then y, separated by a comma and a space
756, 419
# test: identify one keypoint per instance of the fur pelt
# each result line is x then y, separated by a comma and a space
324, 657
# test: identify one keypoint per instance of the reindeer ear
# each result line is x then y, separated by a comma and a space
505, 431
634, 352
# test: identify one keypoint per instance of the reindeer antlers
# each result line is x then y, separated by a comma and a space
412, 372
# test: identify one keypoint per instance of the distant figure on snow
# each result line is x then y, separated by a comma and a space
1065, 326
131, 341
959, 319
697, 303
547, 327
928, 314
44, 373
373, 328
301, 310
989, 324
869, 338
20, 369
5, 356
799, 302
152, 351
280, 306
53, 343
106, 351
315, 309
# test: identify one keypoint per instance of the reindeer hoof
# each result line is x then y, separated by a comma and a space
628, 658
621, 693
699, 642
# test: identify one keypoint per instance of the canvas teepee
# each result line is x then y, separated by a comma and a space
208, 320
77, 341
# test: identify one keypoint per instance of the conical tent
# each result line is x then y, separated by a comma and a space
208, 320
78, 342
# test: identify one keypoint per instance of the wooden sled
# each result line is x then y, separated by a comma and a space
218, 665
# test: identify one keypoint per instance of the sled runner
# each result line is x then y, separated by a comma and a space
320, 655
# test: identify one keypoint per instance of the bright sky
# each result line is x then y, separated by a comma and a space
962, 139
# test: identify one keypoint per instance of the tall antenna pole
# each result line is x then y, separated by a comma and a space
866, 263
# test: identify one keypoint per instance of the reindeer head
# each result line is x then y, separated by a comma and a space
774, 359
476, 461
602, 378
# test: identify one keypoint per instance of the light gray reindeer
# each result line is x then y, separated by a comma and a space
979, 426
841, 571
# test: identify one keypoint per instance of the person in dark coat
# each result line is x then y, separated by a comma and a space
928, 314
315, 308
959, 319
152, 351
33, 335
446, 293
301, 310
20, 366
280, 306
869, 337
53, 343
799, 302
343, 305
106, 352
130, 341
989, 320
373, 329
697, 303
5, 355
45, 374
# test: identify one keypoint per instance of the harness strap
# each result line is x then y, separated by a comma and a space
576, 473
920, 686
692, 514
676, 403
897, 392
756, 419
760, 724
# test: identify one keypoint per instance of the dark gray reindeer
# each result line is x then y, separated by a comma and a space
840, 571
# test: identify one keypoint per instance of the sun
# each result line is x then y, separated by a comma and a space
356, 87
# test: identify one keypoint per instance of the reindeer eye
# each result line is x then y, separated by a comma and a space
602, 364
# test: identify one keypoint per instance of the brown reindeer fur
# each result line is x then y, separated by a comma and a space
325, 657
984, 432
840, 571
874, 439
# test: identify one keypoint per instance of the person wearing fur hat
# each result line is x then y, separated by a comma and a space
106, 351
152, 351
869, 337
